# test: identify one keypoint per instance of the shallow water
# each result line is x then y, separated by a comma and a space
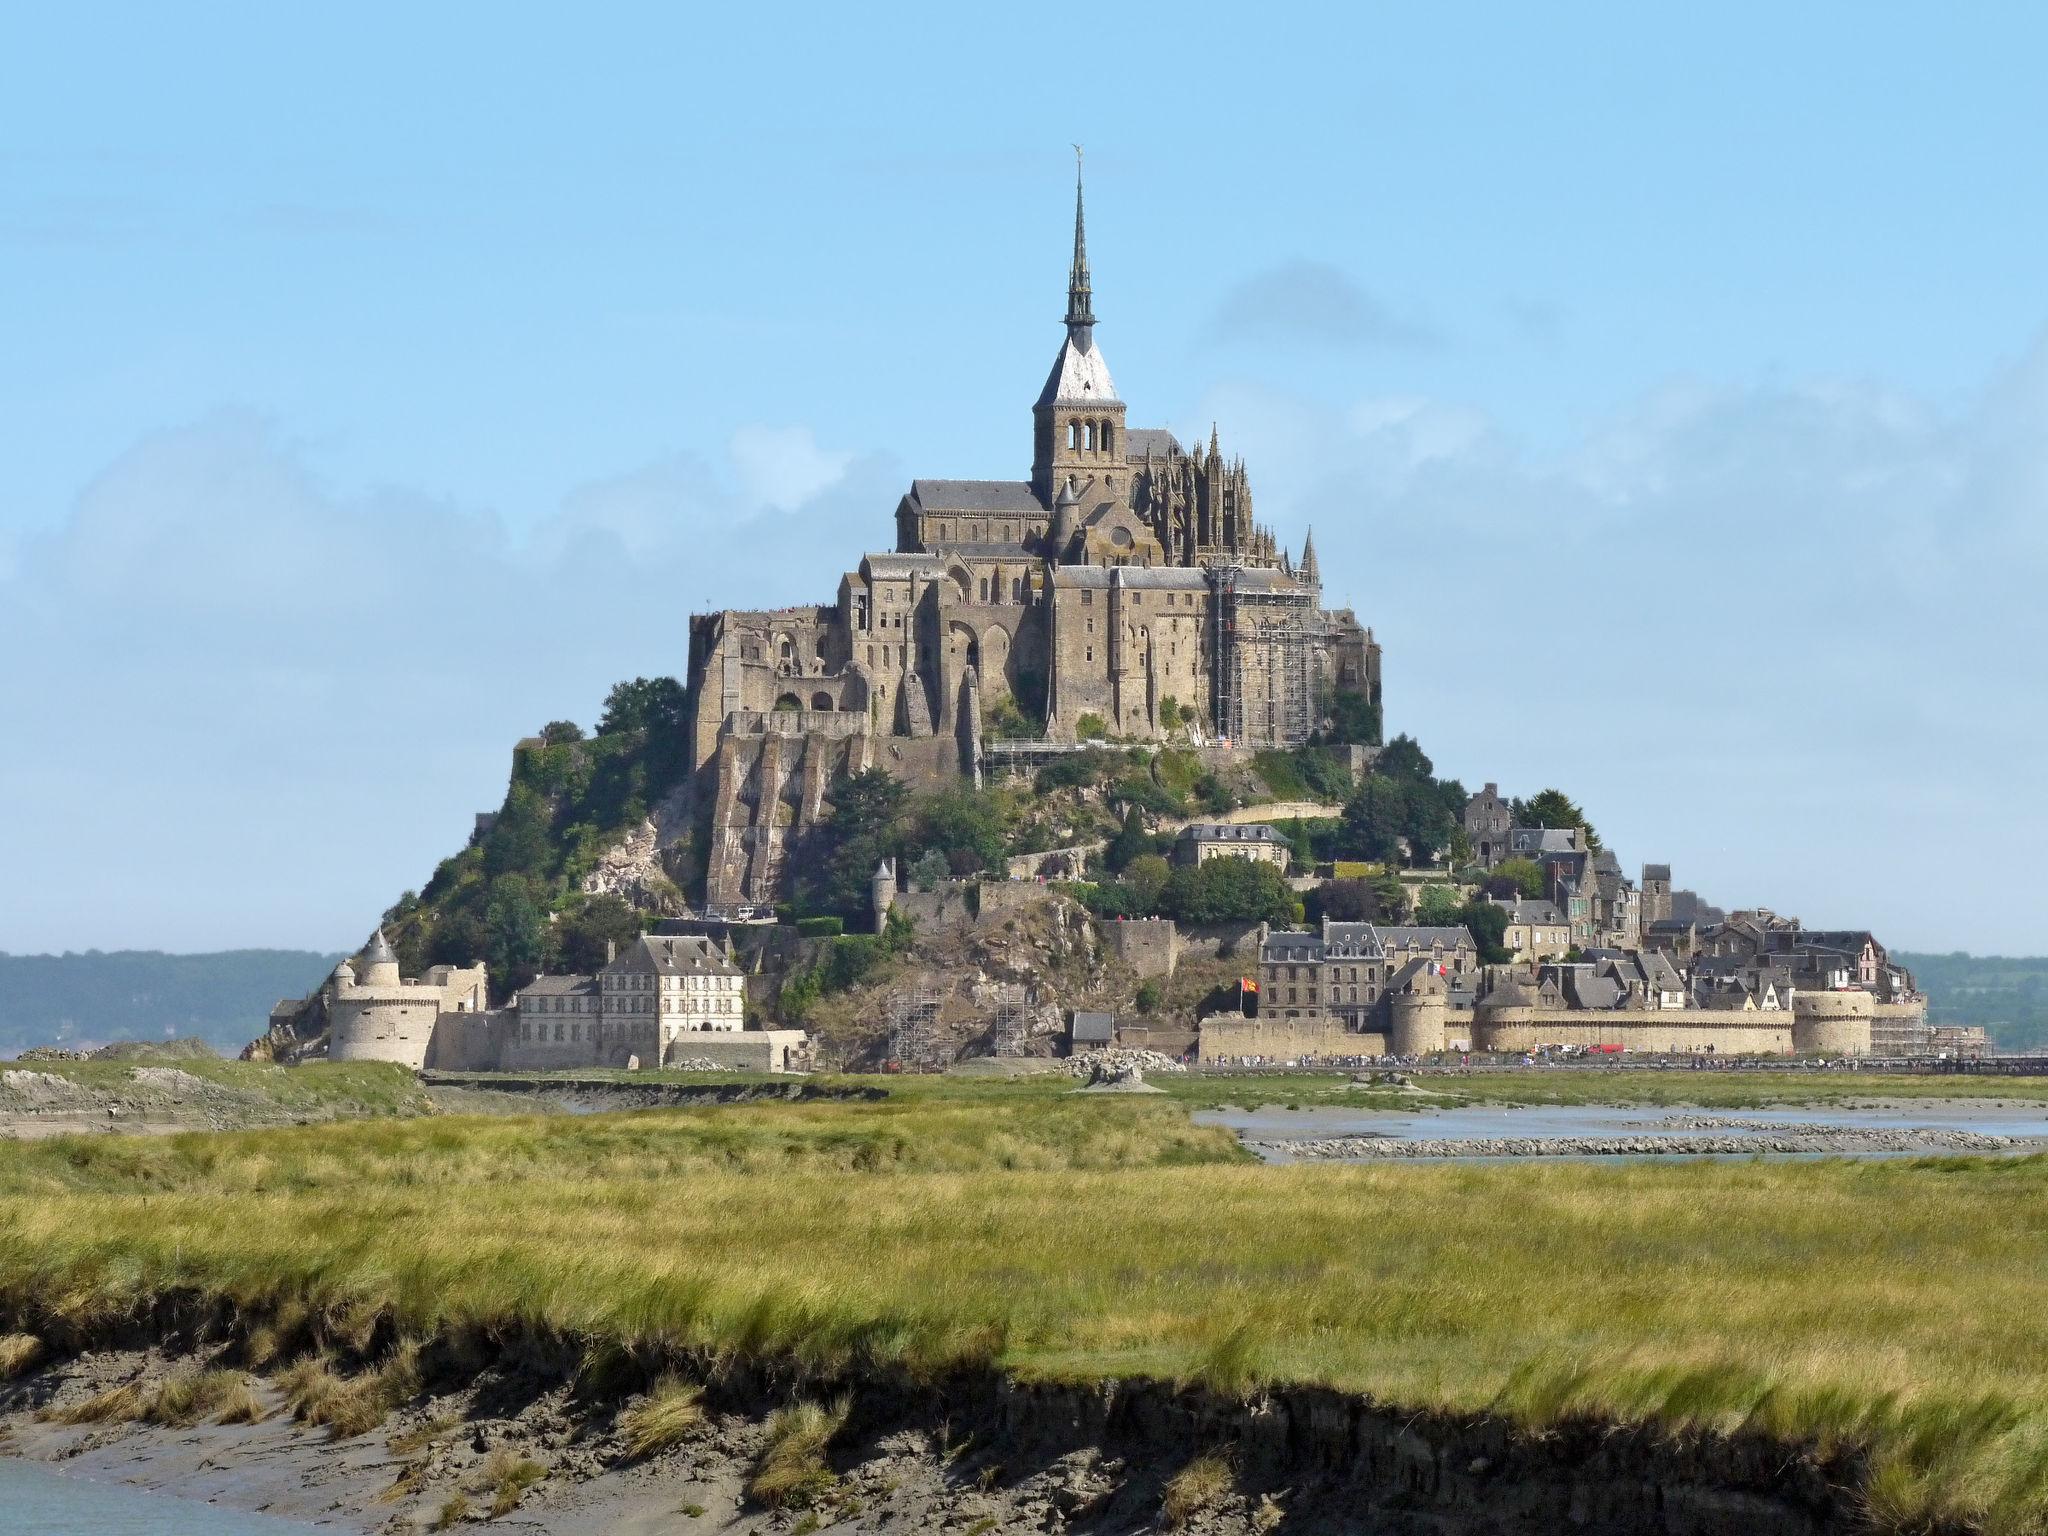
1475, 1122
36, 1498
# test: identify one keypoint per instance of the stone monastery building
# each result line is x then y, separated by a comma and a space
1126, 580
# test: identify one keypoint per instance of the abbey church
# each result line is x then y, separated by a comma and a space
1126, 588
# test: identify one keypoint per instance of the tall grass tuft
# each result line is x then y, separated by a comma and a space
186, 1396
116, 1405
1199, 1486
507, 1477
668, 1415
792, 1473
19, 1354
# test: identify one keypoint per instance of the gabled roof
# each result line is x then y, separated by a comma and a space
1156, 441
1096, 1028
889, 565
1013, 496
558, 986
1229, 832
674, 955
1411, 936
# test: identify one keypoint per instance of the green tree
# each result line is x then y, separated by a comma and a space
1343, 901
1131, 841
1488, 925
1145, 878
1298, 840
1511, 878
1229, 890
604, 921
644, 704
516, 933
560, 733
1403, 758
1375, 819
930, 869
1353, 720
1151, 995
964, 824
1438, 907
864, 826
519, 842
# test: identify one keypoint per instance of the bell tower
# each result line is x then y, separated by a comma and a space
1078, 422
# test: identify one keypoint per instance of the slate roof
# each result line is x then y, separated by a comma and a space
1093, 1028
1421, 938
1657, 872
1014, 496
1154, 440
677, 955
1225, 832
889, 564
1288, 947
558, 986
379, 951
1594, 991
1521, 910
1175, 577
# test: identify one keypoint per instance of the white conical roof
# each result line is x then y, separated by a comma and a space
1078, 377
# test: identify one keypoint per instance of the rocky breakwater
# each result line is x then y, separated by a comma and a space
1683, 1136
1090, 1065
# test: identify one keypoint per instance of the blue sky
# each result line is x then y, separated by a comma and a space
1665, 389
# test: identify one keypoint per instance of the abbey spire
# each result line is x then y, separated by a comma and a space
1078, 422
1080, 300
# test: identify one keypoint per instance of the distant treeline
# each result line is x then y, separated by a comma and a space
89, 999
2008, 996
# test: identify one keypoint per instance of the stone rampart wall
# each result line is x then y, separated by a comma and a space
1673, 1030
1219, 941
473, 1042
1226, 1037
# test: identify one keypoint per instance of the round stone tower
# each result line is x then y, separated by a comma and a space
1831, 1023
1415, 1023
882, 892
378, 966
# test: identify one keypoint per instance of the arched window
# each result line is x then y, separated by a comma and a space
1088, 436
984, 589
1073, 435
1108, 437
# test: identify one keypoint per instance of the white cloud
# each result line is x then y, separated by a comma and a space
255, 708
783, 467
1787, 637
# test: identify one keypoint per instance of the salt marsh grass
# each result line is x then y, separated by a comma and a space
1899, 1306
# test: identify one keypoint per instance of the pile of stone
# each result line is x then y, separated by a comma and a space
1117, 1060
697, 1064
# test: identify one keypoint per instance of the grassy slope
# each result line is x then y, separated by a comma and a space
1899, 1304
